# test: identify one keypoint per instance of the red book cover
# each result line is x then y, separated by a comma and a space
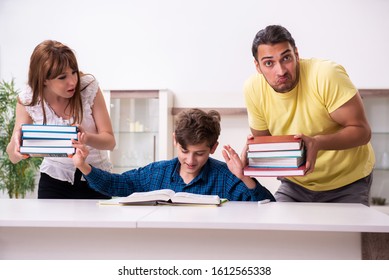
274, 143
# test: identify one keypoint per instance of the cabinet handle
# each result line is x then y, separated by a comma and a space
154, 147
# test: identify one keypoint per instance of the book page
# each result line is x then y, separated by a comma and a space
184, 197
163, 195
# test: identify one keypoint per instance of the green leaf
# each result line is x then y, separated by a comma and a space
17, 179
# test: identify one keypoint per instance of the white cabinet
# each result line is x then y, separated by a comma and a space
142, 123
377, 111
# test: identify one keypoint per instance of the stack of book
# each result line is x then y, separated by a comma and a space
48, 140
275, 156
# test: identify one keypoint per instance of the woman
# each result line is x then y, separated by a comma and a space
59, 94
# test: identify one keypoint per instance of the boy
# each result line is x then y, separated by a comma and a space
193, 171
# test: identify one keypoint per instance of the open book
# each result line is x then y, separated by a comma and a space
168, 196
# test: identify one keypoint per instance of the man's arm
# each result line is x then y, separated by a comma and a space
259, 132
355, 131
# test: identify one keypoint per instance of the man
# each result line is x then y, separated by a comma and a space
193, 171
314, 100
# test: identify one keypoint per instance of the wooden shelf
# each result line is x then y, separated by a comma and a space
223, 110
134, 93
374, 92
238, 111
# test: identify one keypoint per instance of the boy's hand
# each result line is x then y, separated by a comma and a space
233, 161
236, 164
80, 156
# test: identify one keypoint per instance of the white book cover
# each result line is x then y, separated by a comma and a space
38, 142
51, 135
47, 150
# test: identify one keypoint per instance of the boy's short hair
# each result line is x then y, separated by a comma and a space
194, 126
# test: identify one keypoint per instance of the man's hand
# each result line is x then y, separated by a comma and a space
312, 149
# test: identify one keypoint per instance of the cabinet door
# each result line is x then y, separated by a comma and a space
140, 123
377, 111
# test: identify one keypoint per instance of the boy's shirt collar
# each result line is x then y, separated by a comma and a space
204, 173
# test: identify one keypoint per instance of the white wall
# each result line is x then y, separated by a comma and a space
199, 49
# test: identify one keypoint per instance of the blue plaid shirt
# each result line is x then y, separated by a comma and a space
214, 179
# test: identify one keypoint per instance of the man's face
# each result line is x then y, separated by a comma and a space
279, 65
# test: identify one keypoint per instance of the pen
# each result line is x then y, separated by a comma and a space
264, 201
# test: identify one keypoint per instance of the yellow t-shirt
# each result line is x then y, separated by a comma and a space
323, 87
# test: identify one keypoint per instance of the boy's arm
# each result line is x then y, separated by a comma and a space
104, 181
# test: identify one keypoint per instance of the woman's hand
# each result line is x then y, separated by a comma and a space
13, 148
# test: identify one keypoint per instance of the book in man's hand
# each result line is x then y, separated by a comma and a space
274, 143
274, 172
277, 162
277, 154
168, 196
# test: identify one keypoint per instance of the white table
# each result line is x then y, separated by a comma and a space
71, 229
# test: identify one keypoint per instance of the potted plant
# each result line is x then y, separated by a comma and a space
17, 179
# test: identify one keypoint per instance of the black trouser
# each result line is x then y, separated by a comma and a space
53, 188
356, 192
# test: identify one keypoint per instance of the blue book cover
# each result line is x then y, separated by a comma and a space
48, 135
49, 128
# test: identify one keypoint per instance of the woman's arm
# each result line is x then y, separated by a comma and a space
13, 148
104, 138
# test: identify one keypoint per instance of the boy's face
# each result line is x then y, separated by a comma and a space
193, 158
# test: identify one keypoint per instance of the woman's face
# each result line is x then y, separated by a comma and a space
64, 85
